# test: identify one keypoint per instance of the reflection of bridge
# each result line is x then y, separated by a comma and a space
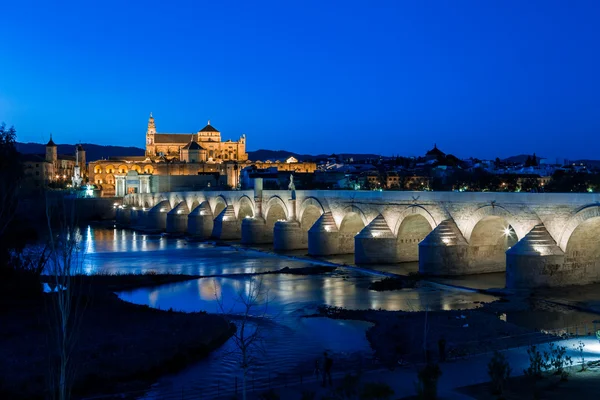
539, 239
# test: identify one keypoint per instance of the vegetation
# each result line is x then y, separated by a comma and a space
253, 302
499, 372
428, 381
376, 390
554, 359
580, 346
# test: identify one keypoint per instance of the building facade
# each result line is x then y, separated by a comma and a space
51, 167
181, 161
202, 146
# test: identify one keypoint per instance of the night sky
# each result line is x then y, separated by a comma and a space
479, 78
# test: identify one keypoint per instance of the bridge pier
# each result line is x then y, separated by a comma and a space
375, 244
200, 222
226, 225
123, 215
324, 236
134, 217
177, 219
444, 251
142, 216
256, 231
157, 216
289, 235
537, 261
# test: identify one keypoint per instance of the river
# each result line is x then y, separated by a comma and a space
292, 343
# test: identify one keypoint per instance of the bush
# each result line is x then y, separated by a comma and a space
376, 390
579, 347
269, 395
499, 371
349, 386
536, 362
428, 381
557, 359
308, 395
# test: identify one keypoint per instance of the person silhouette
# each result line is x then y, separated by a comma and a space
327, 365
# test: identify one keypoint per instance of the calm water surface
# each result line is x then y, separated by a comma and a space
292, 343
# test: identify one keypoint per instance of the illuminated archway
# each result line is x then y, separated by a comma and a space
350, 226
245, 208
275, 212
412, 230
490, 238
582, 254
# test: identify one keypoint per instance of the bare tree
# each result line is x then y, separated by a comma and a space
249, 313
67, 305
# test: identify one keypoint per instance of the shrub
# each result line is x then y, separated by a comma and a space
376, 390
536, 362
499, 371
348, 387
579, 347
308, 395
428, 381
269, 395
557, 359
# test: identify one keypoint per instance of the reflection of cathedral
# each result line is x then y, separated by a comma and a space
179, 162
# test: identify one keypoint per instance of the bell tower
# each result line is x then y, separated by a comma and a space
150, 147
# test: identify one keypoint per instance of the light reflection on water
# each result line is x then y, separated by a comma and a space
294, 342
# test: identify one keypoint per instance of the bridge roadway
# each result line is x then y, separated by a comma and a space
539, 239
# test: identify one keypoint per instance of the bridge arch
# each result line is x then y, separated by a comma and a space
488, 213
202, 208
581, 216
353, 221
218, 205
490, 233
310, 202
414, 224
192, 202
582, 253
245, 207
275, 210
310, 211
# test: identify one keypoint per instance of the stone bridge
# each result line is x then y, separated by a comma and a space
538, 239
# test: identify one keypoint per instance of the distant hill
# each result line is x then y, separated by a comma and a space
97, 152
263, 155
93, 152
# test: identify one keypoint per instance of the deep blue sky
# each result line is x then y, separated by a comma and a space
481, 78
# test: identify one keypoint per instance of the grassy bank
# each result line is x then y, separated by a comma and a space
120, 346
579, 385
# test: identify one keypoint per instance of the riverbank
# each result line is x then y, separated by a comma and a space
120, 347
580, 384
400, 337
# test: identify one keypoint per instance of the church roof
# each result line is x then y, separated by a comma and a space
50, 142
172, 138
193, 146
435, 151
79, 147
208, 128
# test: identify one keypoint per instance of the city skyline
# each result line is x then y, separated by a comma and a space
479, 80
